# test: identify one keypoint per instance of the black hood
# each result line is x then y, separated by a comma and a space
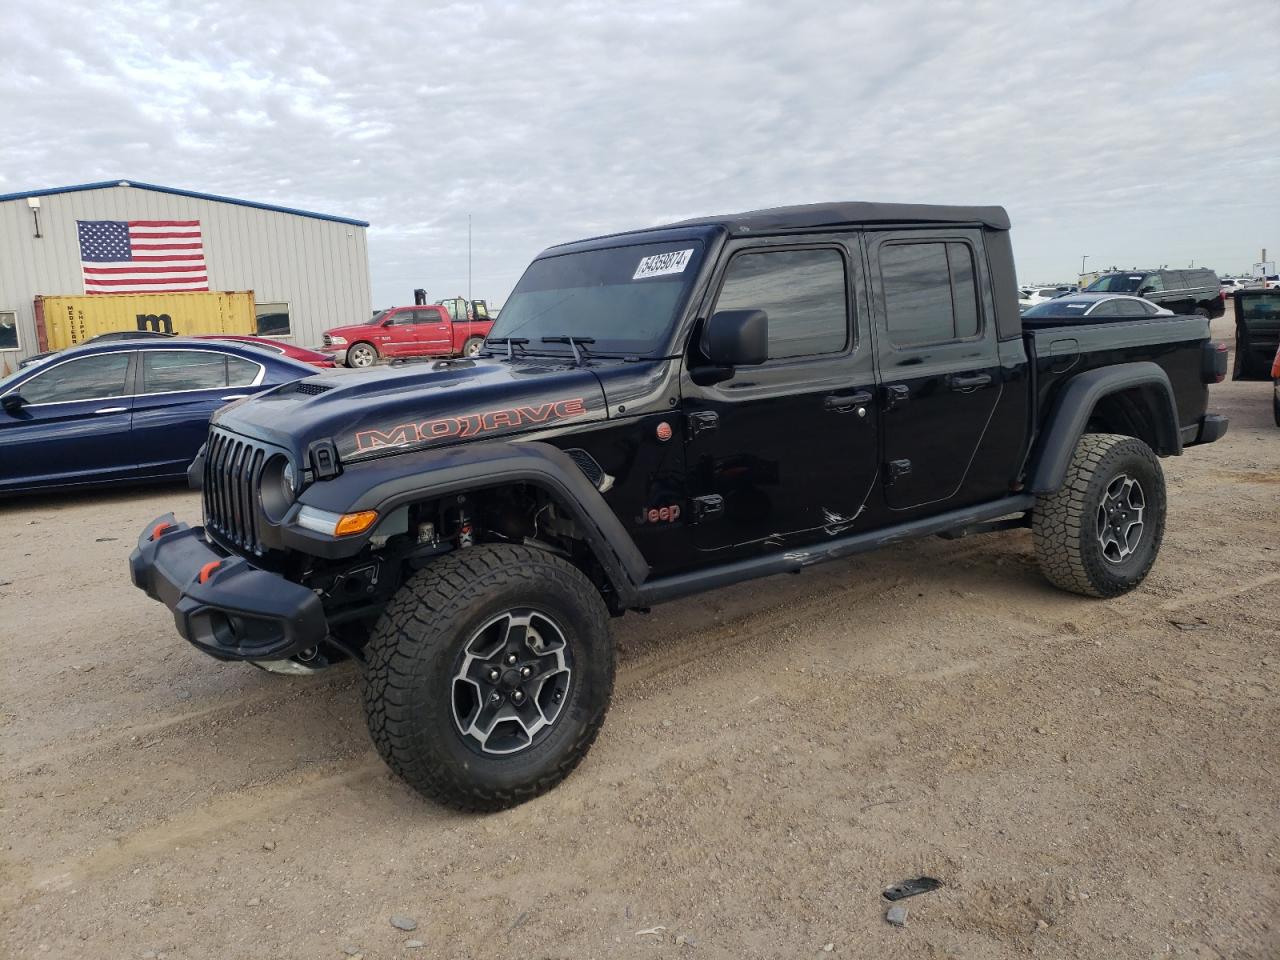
417, 405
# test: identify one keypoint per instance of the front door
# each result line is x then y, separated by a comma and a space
786, 451
939, 367
74, 426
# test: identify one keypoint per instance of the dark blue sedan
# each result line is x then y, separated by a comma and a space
126, 411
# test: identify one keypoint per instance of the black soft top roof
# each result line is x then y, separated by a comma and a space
850, 212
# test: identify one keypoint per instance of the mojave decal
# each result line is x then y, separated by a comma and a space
469, 424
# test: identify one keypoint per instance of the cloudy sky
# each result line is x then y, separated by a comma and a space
1134, 132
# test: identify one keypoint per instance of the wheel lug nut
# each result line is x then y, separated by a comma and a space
518, 696
526, 671
494, 674
511, 659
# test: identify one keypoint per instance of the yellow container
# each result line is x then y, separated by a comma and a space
66, 321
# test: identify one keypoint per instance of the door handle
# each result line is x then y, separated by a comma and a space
896, 394
961, 381
843, 404
235, 396
112, 410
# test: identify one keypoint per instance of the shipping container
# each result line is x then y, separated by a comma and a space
63, 322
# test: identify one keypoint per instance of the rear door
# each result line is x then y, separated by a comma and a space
74, 427
177, 392
436, 331
939, 366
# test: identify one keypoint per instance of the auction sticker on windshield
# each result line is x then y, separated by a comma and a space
661, 264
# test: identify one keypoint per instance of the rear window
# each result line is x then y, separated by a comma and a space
1061, 308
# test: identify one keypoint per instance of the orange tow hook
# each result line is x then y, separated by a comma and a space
207, 570
159, 528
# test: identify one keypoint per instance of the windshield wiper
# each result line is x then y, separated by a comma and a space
573, 343
509, 341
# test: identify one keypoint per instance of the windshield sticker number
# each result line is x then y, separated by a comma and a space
662, 264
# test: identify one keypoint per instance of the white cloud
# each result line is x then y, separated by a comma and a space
1137, 132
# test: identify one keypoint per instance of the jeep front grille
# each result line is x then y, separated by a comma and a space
232, 470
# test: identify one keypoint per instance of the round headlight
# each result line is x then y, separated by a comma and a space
279, 487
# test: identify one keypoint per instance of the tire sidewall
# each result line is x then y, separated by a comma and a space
1135, 459
586, 633
358, 347
466, 346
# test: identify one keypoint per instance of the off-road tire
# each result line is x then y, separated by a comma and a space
1063, 523
411, 661
472, 346
361, 346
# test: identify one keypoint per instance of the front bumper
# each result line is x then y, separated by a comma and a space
221, 603
339, 355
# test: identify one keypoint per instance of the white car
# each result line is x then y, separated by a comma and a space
1094, 308
1031, 296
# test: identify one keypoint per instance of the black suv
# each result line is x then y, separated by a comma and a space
655, 414
1183, 291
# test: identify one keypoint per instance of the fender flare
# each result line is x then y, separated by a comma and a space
1076, 404
385, 483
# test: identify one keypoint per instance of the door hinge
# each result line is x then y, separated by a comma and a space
899, 469
895, 394
702, 422
708, 507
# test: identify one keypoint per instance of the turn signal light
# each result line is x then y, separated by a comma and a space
355, 523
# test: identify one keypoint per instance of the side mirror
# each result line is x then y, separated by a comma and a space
1145, 290
737, 338
13, 402
732, 338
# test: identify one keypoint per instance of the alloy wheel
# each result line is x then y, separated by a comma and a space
511, 682
1120, 518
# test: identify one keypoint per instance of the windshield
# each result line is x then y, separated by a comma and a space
1059, 308
625, 298
378, 317
1116, 283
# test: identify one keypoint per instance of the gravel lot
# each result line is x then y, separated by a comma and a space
1088, 779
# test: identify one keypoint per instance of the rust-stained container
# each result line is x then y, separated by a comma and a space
66, 321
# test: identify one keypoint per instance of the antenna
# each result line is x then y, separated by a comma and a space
468, 256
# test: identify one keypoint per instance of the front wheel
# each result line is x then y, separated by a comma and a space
489, 675
472, 346
362, 355
1100, 532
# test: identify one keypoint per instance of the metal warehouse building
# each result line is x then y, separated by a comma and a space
307, 271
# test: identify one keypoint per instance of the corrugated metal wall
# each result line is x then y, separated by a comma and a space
319, 267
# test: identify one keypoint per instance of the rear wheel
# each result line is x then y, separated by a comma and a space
1099, 534
362, 355
489, 675
472, 346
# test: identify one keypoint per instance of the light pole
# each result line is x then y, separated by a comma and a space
1082, 260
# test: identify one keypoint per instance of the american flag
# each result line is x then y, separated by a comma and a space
142, 256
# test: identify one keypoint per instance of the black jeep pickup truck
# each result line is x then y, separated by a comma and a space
655, 414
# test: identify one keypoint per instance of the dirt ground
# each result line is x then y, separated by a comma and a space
1088, 779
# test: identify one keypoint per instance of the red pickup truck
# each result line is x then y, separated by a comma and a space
420, 331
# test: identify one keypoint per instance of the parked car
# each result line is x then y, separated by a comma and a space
1275, 387
313, 357
1230, 285
1030, 297
1182, 291
670, 411
1091, 308
419, 331
113, 337
123, 411
1257, 331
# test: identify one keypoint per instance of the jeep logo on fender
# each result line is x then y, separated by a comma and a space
469, 424
659, 514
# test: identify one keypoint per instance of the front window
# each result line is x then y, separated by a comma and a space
1117, 283
625, 298
98, 377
